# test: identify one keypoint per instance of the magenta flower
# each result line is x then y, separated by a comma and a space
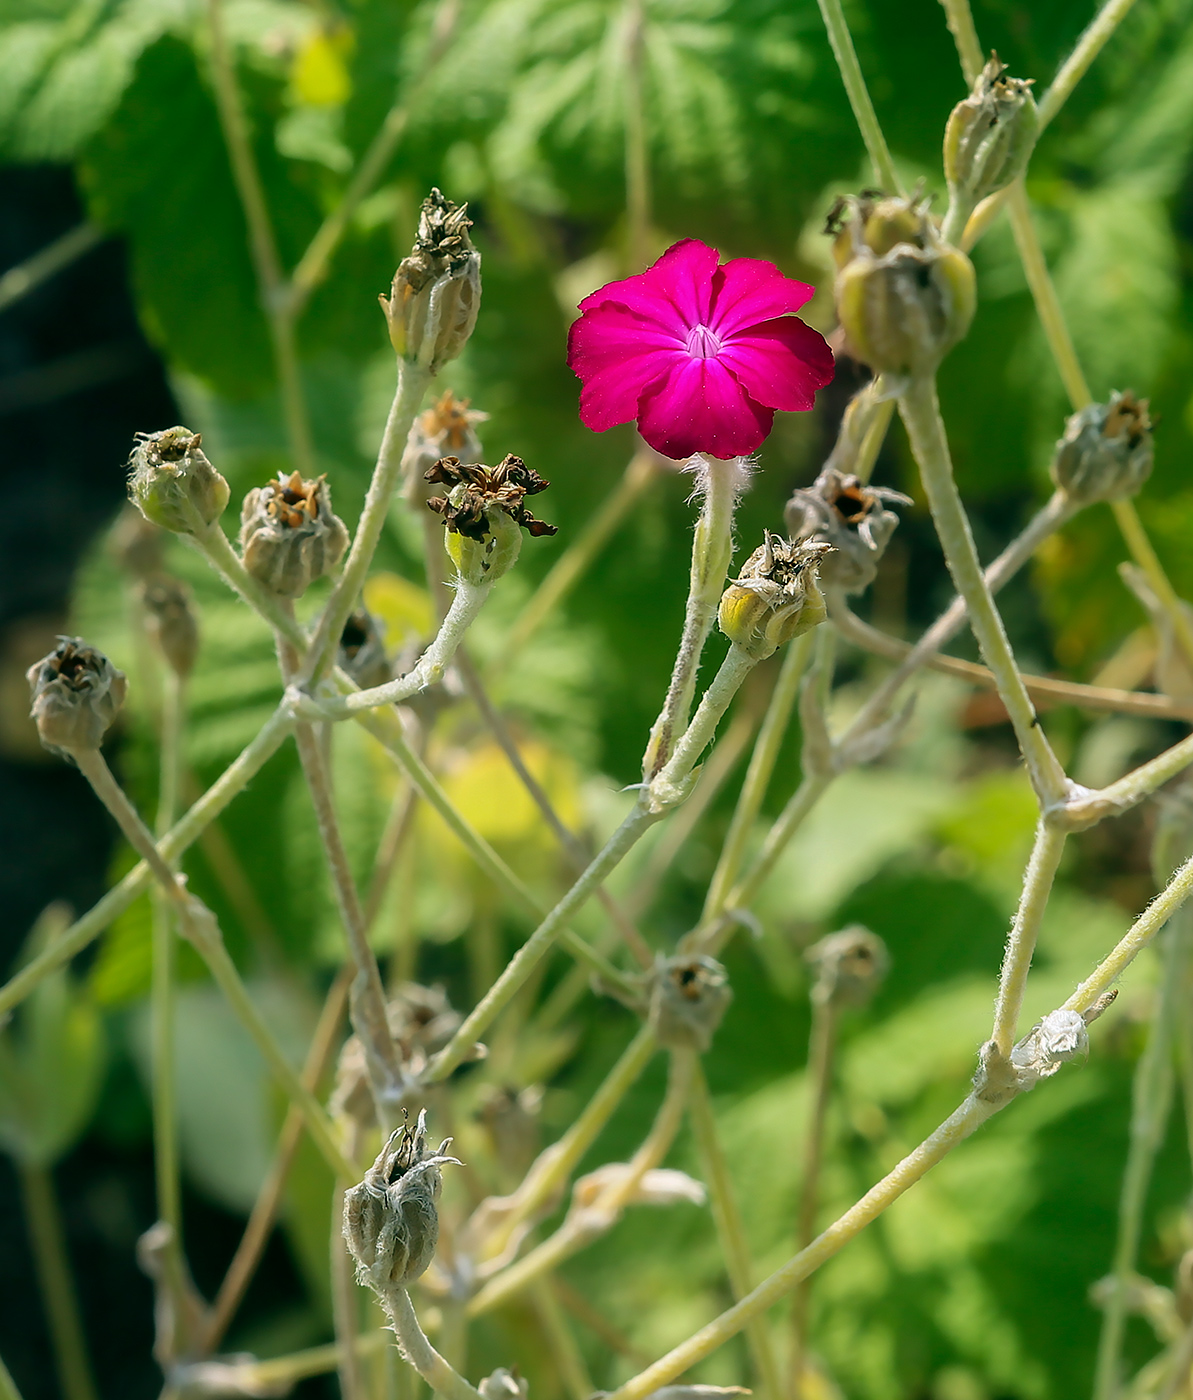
700, 355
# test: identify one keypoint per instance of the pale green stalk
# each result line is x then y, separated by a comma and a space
1084, 810
965, 36
1093, 39
1150, 1109
27, 276
84, 930
213, 544
921, 415
758, 775
731, 1234
442, 1378
47, 1239
344, 1311
568, 1358
859, 97
8, 1387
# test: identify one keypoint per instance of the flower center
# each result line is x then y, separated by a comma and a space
703, 344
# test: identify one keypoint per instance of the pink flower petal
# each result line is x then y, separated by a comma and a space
674, 292
748, 290
700, 407
618, 357
780, 363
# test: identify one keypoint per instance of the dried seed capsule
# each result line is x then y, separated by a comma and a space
852, 517
361, 652
446, 429
436, 292
775, 597
483, 513
504, 1385
1106, 452
289, 535
171, 621
850, 966
990, 135
689, 995
391, 1219
904, 297
76, 692
173, 483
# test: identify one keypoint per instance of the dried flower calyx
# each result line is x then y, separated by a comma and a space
853, 517
435, 297
448, 427
990, 134
361, 653
421, 1021
289, 534
850, 966
1106, 452
391, 1218
484, 513
775, 597
172, 482
689, 995
76, 692
170, 620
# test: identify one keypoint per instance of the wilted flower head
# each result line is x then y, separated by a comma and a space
1106, 452
289, 534
689, 995
700, 355
435, 297
170, 619
173, 483
391, 1219
446, 429
421, 1021
851, 516
361, 653
990, 134
775, 597
76, 692
483, 512
849, 965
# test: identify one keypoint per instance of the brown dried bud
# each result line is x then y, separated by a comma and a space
990, 135
851, 516
1106, 452
446, 429
76, 693
483, 512
361, 652
289, 535
850, 966
775, 597
688, 997
173, 483
170, 620
391, 1219
436, 292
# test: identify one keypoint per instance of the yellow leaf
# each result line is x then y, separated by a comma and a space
487, 791
401, 606
320, 74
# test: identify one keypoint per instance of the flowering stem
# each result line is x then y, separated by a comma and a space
921, 414
1151, 1105
412, 1341
1093, 39
731, 1234
859, 97
213, 544
965, 36
758, 775
712, 549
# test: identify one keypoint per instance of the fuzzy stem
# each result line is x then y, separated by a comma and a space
214, 545
344, 1309
758, 775
1130, 790
47, 1239
921, 414
712, 550
731, 1234
1151, 1106
859, 97
965, 36
416, 1349
8, 1387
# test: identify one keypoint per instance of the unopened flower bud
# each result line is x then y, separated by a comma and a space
775, 597
850, 966
989, 135
1106, 452
904, 297
361, 653
391, 1219
173, 483
504, 1385
851, 516
436, 292
171, 621
76, 692
689, 995
289, 535
484, 513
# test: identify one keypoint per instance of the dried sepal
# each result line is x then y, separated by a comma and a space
446, 429
661, 1186
289, 534
484, 513
689, 995
172, 482
850, 515
1107, 450
776, 597
505, 1384
76, 693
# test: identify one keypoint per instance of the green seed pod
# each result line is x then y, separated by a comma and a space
173, 483
1106, 452
852, 517
171, 621
76, 692
689, 996
391, 1219
436, 292
990, 135
289, 535
775, 597
484, 512
904, 298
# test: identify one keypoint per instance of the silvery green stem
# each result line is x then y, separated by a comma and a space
965, 36
712, 550
412, 385
1086, 808
859, 97
442, 1378
8, 1387
214, 545
921, 414
1150, 1108
1093, 39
